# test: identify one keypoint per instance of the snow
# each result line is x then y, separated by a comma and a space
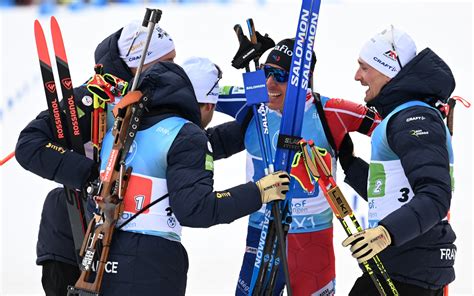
206, 30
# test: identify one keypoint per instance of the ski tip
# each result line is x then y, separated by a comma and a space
38, 27
41, 45
54, 21
58, 42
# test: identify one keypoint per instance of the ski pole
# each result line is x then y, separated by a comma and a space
7, 158
318, 164
270, 228
278, 249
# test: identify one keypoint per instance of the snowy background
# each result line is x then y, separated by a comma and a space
206, 29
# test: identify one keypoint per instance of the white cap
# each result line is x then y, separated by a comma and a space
160, 44
379, 51
204, 76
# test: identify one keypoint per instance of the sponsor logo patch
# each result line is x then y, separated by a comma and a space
56, 148
418, 133
414, 118
223, 194
209, 164
209, 146
87, 100
391, 55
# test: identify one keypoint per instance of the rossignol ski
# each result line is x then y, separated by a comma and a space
271, 252
72, 138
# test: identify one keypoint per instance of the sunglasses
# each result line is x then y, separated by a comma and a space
279, 75
219, 77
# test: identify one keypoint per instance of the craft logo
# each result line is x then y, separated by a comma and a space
390, 67
414, 118
391, 54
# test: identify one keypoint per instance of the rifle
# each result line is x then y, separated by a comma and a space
109, 191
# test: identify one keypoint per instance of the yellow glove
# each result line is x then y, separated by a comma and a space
274, 186
368, 243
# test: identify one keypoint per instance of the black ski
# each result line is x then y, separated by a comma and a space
73, 139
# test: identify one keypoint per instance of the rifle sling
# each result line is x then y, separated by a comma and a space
142, 210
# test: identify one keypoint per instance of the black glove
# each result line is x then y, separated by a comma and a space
355, 168
346, 152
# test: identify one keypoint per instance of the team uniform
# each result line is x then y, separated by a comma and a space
55, 246
310, 235
410, 179
170, 154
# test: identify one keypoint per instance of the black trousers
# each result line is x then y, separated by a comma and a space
365, 287
57, 276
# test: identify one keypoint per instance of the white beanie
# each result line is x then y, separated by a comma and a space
204, 76
160, 44
379, 51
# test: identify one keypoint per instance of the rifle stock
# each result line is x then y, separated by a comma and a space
109, 197
110, 191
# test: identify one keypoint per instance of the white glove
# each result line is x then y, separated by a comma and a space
274, 186
368, 243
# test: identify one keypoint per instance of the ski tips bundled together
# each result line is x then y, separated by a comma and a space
75, 199
265, 271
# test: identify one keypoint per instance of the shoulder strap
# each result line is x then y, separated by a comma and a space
367, 122
324, 122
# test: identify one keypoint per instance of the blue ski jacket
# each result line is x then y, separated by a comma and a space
188, 171
422, 250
